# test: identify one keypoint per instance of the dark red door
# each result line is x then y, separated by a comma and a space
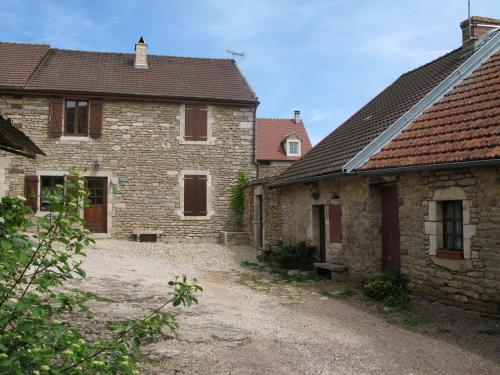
390, 229
96, 212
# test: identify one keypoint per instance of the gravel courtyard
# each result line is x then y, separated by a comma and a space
245, 324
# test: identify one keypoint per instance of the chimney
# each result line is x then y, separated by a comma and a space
141, 54
475, 27
296, 115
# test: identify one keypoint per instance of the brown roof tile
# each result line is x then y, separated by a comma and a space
463, 126
104, 73
334, 151
18, 62
270, 136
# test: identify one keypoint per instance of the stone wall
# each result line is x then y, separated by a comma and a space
139, 147
272, 169
472, 283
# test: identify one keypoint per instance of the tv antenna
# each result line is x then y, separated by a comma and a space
235, 53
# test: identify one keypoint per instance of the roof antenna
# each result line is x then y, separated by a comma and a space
468, 14
234, 54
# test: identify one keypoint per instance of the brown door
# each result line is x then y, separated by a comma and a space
96, 213
390, 229
322, 234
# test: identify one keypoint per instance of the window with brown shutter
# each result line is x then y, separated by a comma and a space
95, 129
56, 116
195, 195
196, 122
30, 191
335, 218
76, 117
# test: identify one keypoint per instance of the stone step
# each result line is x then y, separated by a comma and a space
331, 267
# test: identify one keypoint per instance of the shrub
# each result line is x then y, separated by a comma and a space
300, 256
36, 334
237, 198
389, 288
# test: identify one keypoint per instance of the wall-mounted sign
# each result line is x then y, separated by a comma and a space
122, 179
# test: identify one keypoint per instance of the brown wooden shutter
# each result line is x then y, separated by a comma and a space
189, 122
56, 117
31, 191
201, 123
335, 218
200, 196
189, 195
95, 128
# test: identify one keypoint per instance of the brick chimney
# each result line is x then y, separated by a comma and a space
475, 27
296, 115
141, 54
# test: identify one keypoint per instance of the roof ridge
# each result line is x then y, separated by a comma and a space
26, 44
132, 54
274, 118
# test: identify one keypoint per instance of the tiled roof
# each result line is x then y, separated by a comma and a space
14, 140
18, 62
334, 151
463, 126
270, 136
104, 73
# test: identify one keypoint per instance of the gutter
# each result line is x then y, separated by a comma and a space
310, 179
481, 55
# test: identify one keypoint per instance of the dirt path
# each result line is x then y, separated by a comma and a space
245, 326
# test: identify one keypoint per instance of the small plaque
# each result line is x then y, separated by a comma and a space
122, 179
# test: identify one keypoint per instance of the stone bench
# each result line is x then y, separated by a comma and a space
338, 272
147, 235
233, 238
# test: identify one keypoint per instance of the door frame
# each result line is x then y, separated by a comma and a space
318, 213
105, 201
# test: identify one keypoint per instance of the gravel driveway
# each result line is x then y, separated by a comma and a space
245, 326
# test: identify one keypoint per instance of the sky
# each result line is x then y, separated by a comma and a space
324, 58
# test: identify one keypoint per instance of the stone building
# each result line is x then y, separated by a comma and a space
411, 181
161, 139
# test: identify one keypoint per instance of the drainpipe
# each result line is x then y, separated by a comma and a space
254, 157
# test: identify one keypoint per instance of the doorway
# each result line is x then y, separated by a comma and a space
96, 212
390, 229
259, 221
319, 230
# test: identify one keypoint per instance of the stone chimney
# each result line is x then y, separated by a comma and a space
475, 27
141, 54
296, 115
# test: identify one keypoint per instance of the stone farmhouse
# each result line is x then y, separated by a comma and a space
280, 142
410, 182
161, 139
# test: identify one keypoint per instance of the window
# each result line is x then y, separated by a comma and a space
47, 187
452, 225
76, 117
195, 195
293, 148
196, 122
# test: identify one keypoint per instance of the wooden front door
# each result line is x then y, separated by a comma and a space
390, 229
322, 234
96, 212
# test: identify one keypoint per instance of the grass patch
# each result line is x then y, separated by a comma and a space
442, 330
283, 276
344, 293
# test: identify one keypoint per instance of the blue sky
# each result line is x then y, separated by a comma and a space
326, 58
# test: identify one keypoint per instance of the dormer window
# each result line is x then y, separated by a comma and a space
292, 147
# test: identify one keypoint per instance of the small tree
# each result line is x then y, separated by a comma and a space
34, 336
238, 197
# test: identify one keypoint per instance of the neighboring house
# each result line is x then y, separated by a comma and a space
160, 139
280, 142
411, 181
13, 141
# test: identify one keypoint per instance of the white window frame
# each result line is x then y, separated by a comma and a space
290, 141
210, 210
182, 127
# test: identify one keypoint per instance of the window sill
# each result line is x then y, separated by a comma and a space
69, 138
181, 216
210, 141
450, 254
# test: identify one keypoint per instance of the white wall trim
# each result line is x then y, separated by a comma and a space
210, 194
292, 139
182, 127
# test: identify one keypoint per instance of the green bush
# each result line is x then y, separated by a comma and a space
300, 256
237, 197
389, 288
36, 332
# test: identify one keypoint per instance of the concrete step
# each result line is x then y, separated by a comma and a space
331, 267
